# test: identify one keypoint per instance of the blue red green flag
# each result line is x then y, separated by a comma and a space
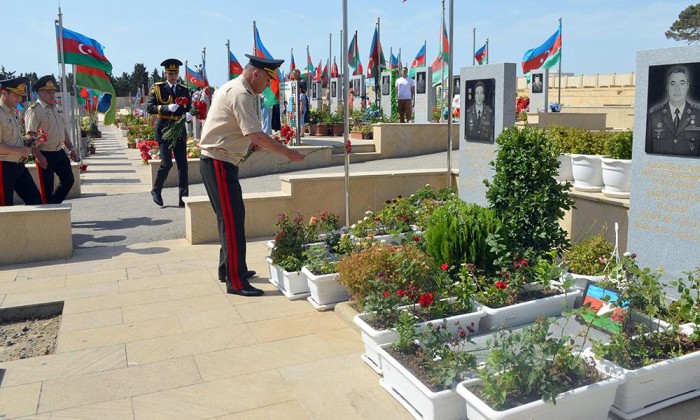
81, 50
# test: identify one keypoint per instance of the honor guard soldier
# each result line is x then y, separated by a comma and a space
231, 132
51, 157
14, 177
674, 126
164, 103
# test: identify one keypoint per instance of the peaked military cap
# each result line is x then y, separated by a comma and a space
171, 64
17, 85
45, 83
267, 64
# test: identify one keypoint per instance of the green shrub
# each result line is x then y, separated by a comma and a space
526, 197
584, 257
619, 145
457, 231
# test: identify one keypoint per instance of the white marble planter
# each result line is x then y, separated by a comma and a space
527, 312
654, 387
325, 290
373, 338
587, 172
415, 397
617, 177
275, 273
565, 173
584, 403
292, 284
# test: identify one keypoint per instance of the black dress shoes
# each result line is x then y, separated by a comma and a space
246, 291
248, 274
157, 198
181, 203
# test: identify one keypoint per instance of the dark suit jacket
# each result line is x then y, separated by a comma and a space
479, 129
663, 136
162, 95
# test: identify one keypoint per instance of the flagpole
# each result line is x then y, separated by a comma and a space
450, 89
64, 84
559, 87
377, 65
228, 57
487, 50
474, 47
328, 72
76, 119
346, 122
442, 53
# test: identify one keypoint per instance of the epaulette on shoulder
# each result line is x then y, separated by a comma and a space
34, 105
656, 107
694, 106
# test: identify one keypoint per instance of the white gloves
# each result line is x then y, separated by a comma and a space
173, 107
188, 117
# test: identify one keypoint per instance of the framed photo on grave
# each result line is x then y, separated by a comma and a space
386, 84
456, 81
673, 110
420, 82
334, 89
314, 90
356, 88
480, 101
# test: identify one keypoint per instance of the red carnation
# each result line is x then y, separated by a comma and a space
501, 285
182, 101
426, 300
400, 293
445, 266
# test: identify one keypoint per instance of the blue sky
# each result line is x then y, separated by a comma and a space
599, 36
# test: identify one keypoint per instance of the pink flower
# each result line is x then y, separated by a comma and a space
386, 294
445, 266
426, 300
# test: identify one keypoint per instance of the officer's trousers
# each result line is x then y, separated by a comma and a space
16, 177
58, 163
166, 162
221, 182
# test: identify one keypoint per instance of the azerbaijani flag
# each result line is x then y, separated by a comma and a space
194, 79
545, 56
234, 66
309, 63
419, 61
480, 55
334, 69
376, 55
274, 89
393, 62
93, 78
354, 56
317, 72
440, 64
292, 65
81, 50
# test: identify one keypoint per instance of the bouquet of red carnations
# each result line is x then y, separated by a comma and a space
173, 133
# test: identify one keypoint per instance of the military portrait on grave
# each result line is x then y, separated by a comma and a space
386, 80
537, 83
420, 82
455, 85
673, 114
334, 87
480, 100
314, 91
356, 87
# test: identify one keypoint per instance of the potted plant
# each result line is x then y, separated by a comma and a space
325, 291
356, 131
422, 367
91, 146
530, 374
586, 259
336, 123
322, 126
659, 362
617, 165
562, 137
367, 132
586, 154
287, 257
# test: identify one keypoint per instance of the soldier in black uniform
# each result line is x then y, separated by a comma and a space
163, 103
14, 177
673, 127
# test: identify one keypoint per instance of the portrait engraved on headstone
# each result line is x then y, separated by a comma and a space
479, 116
386, 80
673, 114
334, 88
420, 82
537, 83
356, 88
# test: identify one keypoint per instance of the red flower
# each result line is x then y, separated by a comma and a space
43, 135
426, 299
83, 167
386, 294
520, 263
201, 109
445, 266
416, 239
348, 147
501, 285
618, 315
182, 101
400, 293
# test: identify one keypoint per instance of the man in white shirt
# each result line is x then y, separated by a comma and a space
405, 89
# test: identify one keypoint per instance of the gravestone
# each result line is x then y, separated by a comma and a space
385, 90
664, 216
358, 91
336, 92
289, 92
487, 104
316, 96
425, 95
539, 87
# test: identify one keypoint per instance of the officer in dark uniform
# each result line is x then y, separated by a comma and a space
673, 128
163, 103
479, 117
14, 176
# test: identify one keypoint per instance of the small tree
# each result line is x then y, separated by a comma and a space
687, 26
526, 197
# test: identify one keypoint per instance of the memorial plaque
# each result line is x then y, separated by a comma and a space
664, 216
491, 90
425, 95
539, 87
386, 93
336, 93
358, 91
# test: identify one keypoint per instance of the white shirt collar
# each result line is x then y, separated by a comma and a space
680, 110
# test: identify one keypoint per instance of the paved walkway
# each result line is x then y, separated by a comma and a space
148, 331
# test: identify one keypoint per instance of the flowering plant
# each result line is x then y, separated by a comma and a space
149, 149
173, 132
522, 106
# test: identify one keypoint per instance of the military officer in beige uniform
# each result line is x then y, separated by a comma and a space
673, 127
51, 158
231, 129
14, 177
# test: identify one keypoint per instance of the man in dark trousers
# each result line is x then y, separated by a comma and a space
232, 129
51, 159
13, 152
164, 103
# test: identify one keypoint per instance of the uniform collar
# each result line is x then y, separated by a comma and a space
680, 109
6, 108
42, 103
171, 86
246, 85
